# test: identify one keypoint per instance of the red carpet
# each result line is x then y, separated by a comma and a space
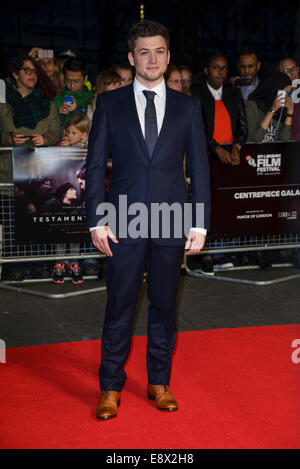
237, 388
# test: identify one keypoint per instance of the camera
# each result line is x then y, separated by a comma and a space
45, 54
243, 81
282, 95
69, 100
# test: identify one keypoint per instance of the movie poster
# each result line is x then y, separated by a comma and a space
50, 195
261, 195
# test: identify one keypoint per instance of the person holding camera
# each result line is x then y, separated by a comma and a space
28, 117
270, 110
75, 96
249, 67
49, 64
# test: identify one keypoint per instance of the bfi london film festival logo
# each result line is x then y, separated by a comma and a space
2, 351
265, 163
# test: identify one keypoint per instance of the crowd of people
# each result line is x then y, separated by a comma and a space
50, 101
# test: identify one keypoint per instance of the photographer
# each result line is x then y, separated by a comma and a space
49, 64
270, 110
75, 96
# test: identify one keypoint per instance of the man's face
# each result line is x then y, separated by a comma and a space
26, 77
249, 66
216, 72
126, 76
75, 81
150, 59
290, 68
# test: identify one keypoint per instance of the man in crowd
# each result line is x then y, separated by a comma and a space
291, 69
147, 128
249, 66
75, 96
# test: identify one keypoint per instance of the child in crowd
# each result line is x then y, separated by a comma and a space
76, 134
76, 131
107, 80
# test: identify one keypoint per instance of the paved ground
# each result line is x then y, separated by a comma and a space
203, 304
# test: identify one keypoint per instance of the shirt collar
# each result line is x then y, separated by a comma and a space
217, 94
160, 89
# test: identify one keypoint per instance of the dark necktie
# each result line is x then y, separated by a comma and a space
151, 133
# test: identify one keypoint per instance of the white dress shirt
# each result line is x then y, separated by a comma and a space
141, 102
217, 94
160, 106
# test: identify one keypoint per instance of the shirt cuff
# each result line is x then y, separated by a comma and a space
200, 230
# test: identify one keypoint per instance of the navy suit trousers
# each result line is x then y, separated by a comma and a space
125, 274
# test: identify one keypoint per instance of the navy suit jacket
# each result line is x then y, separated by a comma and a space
116, 132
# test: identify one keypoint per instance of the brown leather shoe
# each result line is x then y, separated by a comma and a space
108, 405
163, 397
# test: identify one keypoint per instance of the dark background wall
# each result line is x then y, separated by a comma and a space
96, 29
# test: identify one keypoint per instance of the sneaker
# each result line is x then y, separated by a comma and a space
58, 273
75, 273
225, 265
207, 267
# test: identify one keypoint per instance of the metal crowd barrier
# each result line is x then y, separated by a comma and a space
15, 253
247, 244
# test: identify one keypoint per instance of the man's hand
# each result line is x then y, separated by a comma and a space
194, 243
100, 241
66, 108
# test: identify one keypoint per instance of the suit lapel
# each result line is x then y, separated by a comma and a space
170, 112
129, 107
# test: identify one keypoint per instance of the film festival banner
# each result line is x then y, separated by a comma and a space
261, 195
49, 195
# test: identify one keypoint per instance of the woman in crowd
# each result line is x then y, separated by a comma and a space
49, 64
28, 116
173, 78
107, 80
269, 115
186, 78
223, 110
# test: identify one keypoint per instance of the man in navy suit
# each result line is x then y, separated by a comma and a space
147, 129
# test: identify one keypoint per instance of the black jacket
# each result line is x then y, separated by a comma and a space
234, 104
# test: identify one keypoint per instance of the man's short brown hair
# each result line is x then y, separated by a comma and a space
146, 28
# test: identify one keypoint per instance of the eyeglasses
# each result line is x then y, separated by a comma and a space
78, 81
217, 68
29, 71
291, 70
